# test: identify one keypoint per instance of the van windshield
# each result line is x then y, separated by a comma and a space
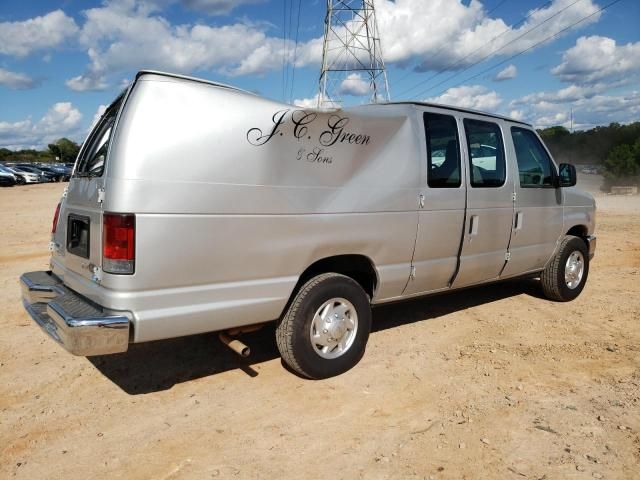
94, 153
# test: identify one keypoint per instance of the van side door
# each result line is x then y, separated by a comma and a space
489, 204
538, 220
441, 216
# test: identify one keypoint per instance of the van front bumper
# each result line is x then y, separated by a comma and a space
79, 325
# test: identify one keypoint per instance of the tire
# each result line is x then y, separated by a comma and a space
307, 315
559, 283
21, 181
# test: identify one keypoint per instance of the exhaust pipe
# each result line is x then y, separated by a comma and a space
235, 345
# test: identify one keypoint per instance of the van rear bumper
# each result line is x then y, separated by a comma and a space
79, 325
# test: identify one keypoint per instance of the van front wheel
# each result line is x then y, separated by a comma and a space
326, 327
566, 274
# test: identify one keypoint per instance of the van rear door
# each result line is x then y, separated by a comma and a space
78, 238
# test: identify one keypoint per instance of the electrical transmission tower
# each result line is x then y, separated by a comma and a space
352, 61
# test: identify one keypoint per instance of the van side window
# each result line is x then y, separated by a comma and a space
486, 153
95, 153
443, 151
534, 164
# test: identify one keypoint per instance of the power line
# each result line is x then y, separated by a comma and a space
496, 7
445, 46
529, 48
284, 42
286, 85
490, 54
295, 54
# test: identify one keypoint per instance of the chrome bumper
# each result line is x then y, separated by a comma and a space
591, 241
79, 325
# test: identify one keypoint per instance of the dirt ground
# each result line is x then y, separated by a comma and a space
493, 382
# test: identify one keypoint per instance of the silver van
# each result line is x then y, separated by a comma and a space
197, 207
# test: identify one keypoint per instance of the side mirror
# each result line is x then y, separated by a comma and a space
567, 175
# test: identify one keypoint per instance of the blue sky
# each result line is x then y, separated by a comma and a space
62, 61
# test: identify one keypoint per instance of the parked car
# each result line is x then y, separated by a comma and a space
298, 216
57, 174
7, 178
24, 176
44, 175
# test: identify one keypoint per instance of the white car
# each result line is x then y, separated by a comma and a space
23, 176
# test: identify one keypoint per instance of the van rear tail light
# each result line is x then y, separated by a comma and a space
118, 243
55, 219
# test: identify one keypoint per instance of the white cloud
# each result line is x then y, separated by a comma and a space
354, 85
590, 107
96, 117
87, 83
39, 33
61, 120
62, 117
506, 74
123, 35
216, 7
16, 81
563, 95
313, 103
306, 102
475, 97
516, 114
594, 59
441, 33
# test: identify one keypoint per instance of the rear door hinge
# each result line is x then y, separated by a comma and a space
96, 274
514, 195
412, 273
100, 195
421, 201
507, 256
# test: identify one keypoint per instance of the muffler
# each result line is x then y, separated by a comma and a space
235, 345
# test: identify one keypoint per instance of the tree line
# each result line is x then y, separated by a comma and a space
616, 148
62, 150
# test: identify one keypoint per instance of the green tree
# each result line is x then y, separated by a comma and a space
623, 163
65, 149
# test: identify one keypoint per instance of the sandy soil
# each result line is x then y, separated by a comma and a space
494, 382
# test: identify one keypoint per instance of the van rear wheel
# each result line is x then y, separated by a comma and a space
566, 274
326, 327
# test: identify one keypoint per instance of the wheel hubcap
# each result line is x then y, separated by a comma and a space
574, 269
333, 328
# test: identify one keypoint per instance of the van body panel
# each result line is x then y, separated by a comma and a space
231, 209
235, 196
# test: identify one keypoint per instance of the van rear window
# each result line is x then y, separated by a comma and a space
94, 153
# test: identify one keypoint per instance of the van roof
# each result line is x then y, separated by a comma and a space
186, 77
460, 109
407, 102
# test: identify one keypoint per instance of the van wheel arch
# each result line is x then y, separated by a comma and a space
358, 267
580, 231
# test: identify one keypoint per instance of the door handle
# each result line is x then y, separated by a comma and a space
473, 225
519, 219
